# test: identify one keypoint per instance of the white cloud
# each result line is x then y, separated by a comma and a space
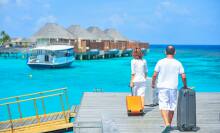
16, 2
43, 20
4, 2
144, 26
167, 8
7, 19
47, 6
21, 2
46, 19
164, 12
26, 18
117, 19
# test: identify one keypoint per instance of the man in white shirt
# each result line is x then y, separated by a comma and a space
167, 70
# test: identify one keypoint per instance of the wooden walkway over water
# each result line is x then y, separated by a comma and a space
106, 113
51, 122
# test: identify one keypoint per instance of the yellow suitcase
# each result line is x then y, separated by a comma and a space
134, 105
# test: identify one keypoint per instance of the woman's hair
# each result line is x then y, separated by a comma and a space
137, 53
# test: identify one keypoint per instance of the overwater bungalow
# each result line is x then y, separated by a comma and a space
81, 34
53, 34
94, 52
22, 42
83, 37
99, 34
113, 52
127, 52
90, 43
115, 35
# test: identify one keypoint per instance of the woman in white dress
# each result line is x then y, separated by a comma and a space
138, 74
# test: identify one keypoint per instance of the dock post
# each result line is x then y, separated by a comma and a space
19, 107
9, 115
16, 55
64, 114
65, 91
36, 110
43, 106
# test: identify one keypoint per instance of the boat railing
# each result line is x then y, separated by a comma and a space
61, 93
58, 43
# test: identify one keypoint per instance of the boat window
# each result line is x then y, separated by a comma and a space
46, 57
60, 53
57, 54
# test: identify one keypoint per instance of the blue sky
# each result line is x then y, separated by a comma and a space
154, 21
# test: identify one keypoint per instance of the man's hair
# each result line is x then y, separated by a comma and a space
170, 50
137, 53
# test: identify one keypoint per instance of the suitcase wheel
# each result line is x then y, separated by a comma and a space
181, 128
142, 112
184, 128
195, 129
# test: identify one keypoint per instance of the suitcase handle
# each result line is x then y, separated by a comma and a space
131, 90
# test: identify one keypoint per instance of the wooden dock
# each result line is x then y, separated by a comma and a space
18, 53
106, 113
50, 122
46, 122
103, 55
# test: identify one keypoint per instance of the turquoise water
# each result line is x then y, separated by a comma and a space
201, 64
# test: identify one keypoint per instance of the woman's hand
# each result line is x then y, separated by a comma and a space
153, 85
131, 84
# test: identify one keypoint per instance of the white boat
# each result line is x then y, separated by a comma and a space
51, 56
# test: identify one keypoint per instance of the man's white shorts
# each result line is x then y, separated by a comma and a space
139, 88
167, 99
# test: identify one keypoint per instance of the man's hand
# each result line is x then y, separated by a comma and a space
184, 80
154, 79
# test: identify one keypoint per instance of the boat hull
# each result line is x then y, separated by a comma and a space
48, 66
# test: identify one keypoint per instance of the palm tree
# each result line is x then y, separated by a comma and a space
4, 38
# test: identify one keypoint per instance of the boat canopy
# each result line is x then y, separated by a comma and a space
54, 47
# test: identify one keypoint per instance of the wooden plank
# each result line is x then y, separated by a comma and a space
32, 120
46, 127
98, 106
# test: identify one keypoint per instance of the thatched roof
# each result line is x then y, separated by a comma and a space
81, 33
113, 33
52, 30
98, 33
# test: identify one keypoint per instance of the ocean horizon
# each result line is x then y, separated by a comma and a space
185, 44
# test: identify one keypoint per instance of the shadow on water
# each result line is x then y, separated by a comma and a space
61, 68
